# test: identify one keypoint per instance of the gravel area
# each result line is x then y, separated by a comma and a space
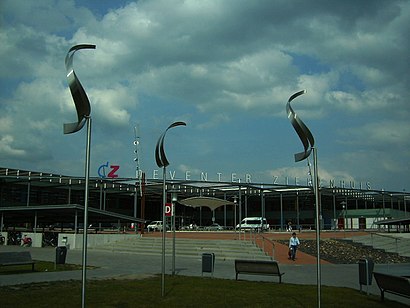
346, 252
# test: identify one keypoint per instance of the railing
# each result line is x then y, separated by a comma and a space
259, 239
393, 238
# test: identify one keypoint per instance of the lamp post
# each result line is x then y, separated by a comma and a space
235, 202
281, 212
308, 142
174, 199
83, 108
343, 203
334, 211
240, 210
163, 162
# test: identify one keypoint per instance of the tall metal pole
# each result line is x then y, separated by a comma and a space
173, 238
83, 108
135, 205
143, 202
87, 178
234, 213
173, 214
240, 210
297, 211
318, 273
281, 211
343, 204
334, 211
163, 162
164, 201
137, 172
307, 140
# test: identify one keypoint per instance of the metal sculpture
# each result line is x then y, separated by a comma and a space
309, 146
160, 156
163, 162
301, 129
82, 105
80, 98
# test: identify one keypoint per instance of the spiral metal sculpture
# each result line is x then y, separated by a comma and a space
160, 156
80, 98
301, 129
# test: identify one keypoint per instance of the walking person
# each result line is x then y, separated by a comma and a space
289, 226
293, 246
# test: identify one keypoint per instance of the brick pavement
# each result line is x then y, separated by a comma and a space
280, 251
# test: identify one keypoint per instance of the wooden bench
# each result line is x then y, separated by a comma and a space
397, 285
256, 267
16, 258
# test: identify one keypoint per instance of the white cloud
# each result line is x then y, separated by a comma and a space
6, 124
7, 149
112, 106
383, 134
214, 121
214, 64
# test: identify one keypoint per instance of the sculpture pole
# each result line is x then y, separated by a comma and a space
309, 145
83, 108
163, 162
317, 202
85, 232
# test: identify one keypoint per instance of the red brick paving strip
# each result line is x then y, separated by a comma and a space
281, 251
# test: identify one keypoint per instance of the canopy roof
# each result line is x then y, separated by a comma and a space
394, 222
64, 213
210, 202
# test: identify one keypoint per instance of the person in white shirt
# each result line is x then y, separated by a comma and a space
293, 246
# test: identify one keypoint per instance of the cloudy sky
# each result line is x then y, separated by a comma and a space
226, 68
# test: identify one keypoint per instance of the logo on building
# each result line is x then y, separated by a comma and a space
108, 171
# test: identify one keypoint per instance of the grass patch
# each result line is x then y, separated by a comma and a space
40, 266
183, 291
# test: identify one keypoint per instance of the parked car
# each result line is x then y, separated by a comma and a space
256, 223
156, 225
214, 227
62, 226
190, 227
102, 226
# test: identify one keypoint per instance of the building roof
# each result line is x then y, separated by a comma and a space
46, 215
126, 188
394, 222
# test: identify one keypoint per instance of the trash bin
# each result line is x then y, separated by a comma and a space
366, 267
208, 263
61, 253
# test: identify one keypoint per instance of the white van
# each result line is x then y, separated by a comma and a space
156, 225
253, 223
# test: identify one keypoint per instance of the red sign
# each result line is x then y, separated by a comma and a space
168, 210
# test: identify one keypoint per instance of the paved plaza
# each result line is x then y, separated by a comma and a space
112, 264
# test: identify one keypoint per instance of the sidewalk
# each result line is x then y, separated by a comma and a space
131, 266
281, 251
